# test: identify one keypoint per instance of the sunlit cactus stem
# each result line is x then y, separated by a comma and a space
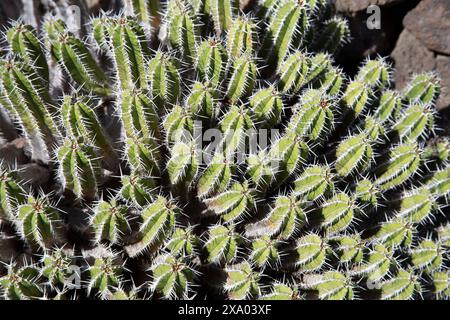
82, 124
25, 43
79, 169
146, 11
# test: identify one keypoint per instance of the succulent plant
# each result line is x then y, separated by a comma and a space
199, 151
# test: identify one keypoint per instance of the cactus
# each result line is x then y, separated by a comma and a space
38, 222
11, 194
281, 292
439, 183
288, 152
197, 151
441, 284
216, 177
401, 164
438, 150
416, 205
178, 124
395, 233
354, 154
415, 122
242, 78
27, 100
164, 80
222, 13
265, 252
211, 61
376, 265
109, 221
333, 36
242, 37
183, 164
367, 193
267, 107
25, 43
375, 73
183, 241
337, 213
402, 286
232, 204
314, 117
241, 281
223, 244
285, 218
21, 283
423, 88
129, 52
146, 11
77, 61
182, 31
293, 72
332, 285
234, 125
356, 97
104, 275
137, 190
172, 278
311, 252
143, 155
285, 30
347, 249
83, 126
78, 169
202, 102
57, 266
427, 255
314, 182
158, 220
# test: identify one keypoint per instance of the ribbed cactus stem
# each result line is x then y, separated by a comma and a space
182, 29
130, 52
28, 101
146, 11
286, 27
79, 170
25, 43
78, 62
222, 13
82, 125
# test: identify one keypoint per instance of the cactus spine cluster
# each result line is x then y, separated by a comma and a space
247, 164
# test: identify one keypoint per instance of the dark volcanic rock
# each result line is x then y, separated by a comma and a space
366, 42
410, 57
443, 70
9, 247
360, 5
34, 175
430, 23
13, 153
9, 10
7, 129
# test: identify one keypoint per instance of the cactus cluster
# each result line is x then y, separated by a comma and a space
247, 164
